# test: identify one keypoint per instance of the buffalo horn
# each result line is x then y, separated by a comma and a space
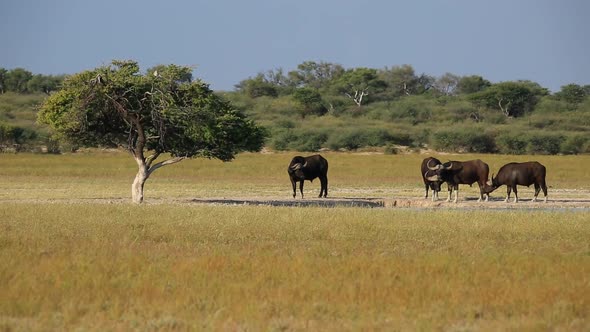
431, 168
296, 166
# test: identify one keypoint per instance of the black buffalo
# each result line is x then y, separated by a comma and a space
522, 174
427, 173
309, 168
455, 173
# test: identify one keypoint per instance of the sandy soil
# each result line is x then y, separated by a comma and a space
558, 199
406, 202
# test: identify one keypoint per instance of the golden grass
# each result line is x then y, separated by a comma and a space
120, 267
109, 175
71, 264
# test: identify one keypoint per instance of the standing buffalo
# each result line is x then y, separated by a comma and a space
523, 174
309, 168
426, 173
455, 173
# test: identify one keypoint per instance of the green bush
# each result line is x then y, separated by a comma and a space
15, 137
358, 138
280, 140
349, 140
309, 141
337, 105
511, 143
390, 149
544, 143
457, 140
576, 144
299, 140
550, 105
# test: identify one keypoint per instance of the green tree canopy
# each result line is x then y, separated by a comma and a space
258, 86
157, 113
446, 85
472, 84
3, 76
309, 102
512, 98
572, 93
403, 81
45, 84
359, 83
17, 79
318, 75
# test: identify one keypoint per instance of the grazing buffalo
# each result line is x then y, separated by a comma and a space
309, 168
455, 173
522, 174
426, 173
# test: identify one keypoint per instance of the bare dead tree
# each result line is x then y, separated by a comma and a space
358, 96
505, 108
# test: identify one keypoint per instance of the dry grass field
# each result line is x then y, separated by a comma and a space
75, 254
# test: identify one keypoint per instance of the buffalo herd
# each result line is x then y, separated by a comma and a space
435, 173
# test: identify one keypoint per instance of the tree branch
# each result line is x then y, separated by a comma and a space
504, 109
149, 160
164, 163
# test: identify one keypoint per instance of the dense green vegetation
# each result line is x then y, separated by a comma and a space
325, 106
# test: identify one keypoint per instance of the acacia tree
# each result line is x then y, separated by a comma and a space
315, 75
149, 115
512, 98
358, 83
309, 101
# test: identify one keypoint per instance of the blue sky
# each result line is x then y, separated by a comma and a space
228, 41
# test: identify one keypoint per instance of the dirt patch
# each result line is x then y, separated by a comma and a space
569, 203
569, 199
402, 202
368, 203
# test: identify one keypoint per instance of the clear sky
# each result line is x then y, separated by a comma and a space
546, 41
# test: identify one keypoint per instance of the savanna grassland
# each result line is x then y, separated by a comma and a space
75, 254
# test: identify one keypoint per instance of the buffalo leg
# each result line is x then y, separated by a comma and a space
456, 194
450, 193
508, 190
537, 190
481, 194
544, 187
294, 184
426, 186
515, 194
324, 186
301, 188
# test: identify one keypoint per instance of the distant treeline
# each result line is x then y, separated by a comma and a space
322, 87
20, 80
322, 105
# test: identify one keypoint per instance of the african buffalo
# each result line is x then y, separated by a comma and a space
455, 173
309, 168
522, 174
426, 173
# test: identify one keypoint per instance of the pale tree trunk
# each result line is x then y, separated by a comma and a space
139, 182
137, 143
145, 169
506, 108
358, 96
